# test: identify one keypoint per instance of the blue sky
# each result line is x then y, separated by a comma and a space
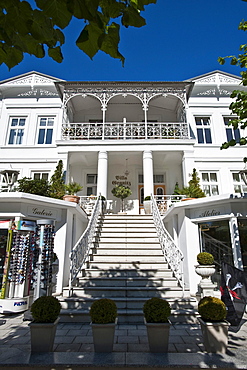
182, 39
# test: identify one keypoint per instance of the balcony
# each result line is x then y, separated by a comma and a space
125, 131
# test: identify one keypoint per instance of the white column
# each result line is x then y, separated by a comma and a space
148, 173
102, 173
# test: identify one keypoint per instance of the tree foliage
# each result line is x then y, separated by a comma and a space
33, 186
24, 29
193, 190
56, 186
239, 106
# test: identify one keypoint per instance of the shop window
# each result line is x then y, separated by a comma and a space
92, 184
231, 134
203, 130
45, 130
210, 183
238, 184
16, 132
242, 229
40, 176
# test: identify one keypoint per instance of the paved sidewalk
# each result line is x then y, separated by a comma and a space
74, 348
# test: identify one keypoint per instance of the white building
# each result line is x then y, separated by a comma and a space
146, 135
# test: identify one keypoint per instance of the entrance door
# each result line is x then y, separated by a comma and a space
159, 190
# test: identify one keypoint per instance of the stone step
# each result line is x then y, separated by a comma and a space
112, 292
128, 230
127, 217
123, 245
162, 273
128, 281
76, 310
126, 303
140, 234
115, 265
126, 251
122, 258
128, 239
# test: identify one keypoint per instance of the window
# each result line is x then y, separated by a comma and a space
210, 183
16, 132
45, 130
231, 134
203, 130
238, 184
41, 176
91, 184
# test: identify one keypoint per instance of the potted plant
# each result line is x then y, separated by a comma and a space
205, 269
193, 190
156, 313
45, 311
147, 204
214, 327
122, 192
71, 189
103, 313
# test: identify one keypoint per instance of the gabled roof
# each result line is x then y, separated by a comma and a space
216, 77
30, 78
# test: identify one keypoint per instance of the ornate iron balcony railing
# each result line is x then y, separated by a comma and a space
124, 131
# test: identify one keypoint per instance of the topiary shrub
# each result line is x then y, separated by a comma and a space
212, 309
156, 310
103, 311
205, 258
45, 309
148, 197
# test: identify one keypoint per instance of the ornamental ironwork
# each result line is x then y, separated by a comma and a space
173, 255
124, 131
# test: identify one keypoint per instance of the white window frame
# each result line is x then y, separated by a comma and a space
238, 183
18, 138
209, 186
47, 128
200, 122
93, 184
42, 175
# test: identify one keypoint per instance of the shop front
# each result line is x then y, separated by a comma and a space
217, 225
32, 253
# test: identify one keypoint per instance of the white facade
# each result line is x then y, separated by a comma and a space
147, 135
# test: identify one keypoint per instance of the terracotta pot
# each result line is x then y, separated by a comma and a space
71, 198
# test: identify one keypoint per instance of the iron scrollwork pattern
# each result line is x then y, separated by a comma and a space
80, 252
173, 255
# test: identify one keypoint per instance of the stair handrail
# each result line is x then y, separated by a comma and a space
173, 255
80, 251
220, 250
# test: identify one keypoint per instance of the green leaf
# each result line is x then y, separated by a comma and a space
132, 17
88, 39
110, 41
57, 10
56, 54
11, 56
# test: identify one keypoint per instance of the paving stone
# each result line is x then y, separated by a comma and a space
121, 332
64, 339
175, 339
143, 339
65, 348
83, 339
61, 332
86, 347
77, 332
140, 332
128, 339
186, 347
135, 347
178, 332
120, 347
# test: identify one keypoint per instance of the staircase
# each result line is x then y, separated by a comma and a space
127, 265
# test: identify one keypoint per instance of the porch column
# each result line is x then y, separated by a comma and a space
148, 173
102, 173
236, 248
